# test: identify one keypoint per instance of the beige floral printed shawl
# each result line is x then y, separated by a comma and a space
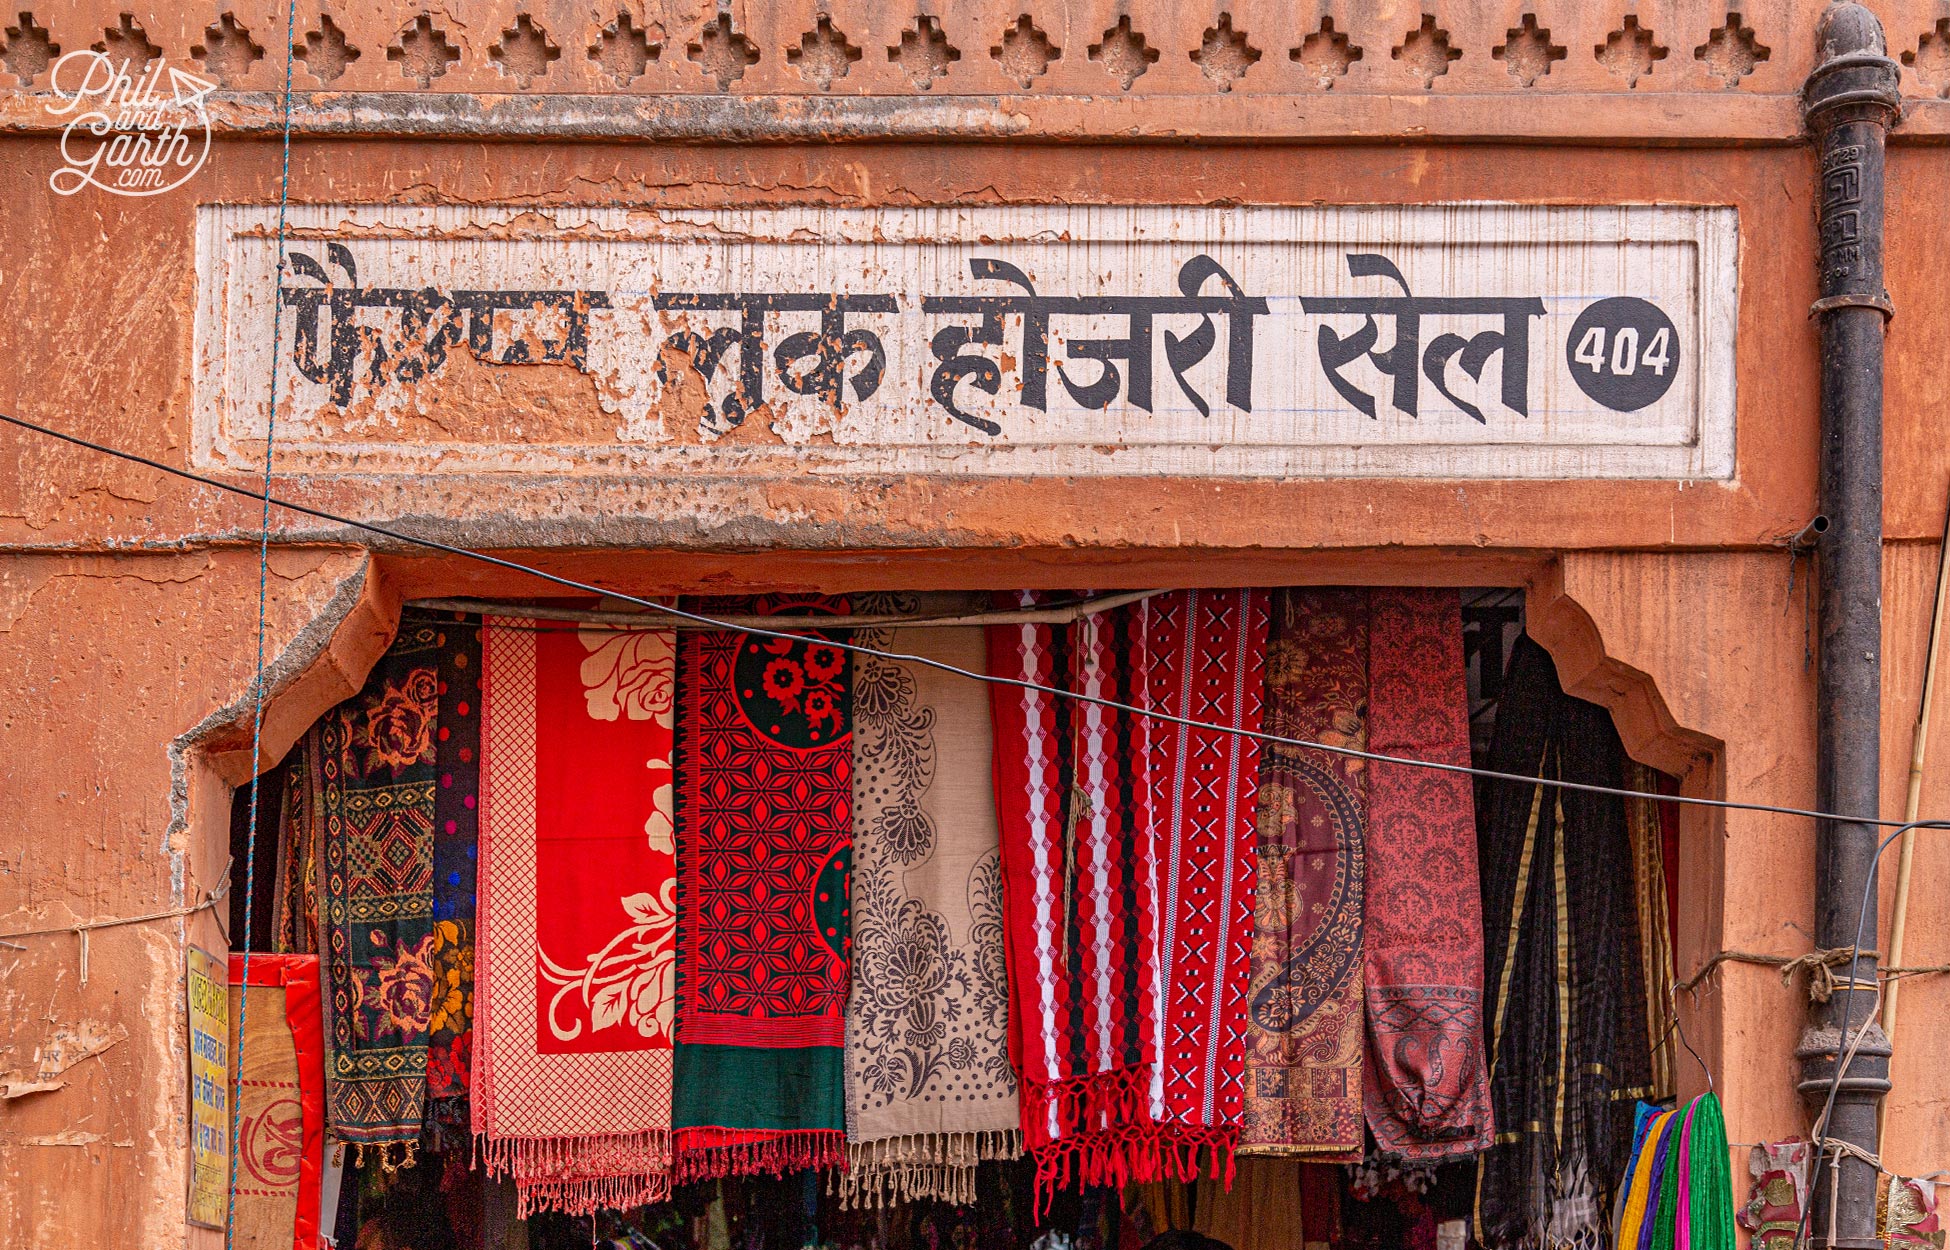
929, 1089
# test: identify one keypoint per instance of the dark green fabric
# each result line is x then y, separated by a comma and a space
1711, 1179
377, 764
756, 1087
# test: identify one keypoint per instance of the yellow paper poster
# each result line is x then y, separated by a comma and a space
209, 996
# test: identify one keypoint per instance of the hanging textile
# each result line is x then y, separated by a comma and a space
1779, 1194
1260, 1210
1073, 796
456, 799
1637, 1192
1567, 1014
280, 1150
1906, 1214
1649, 875
376, 799
764, 826
1205, 652
1709, 1178
294, 900
577, 913
1426, 1081
1677, 1190
929, 1089
1304, 1036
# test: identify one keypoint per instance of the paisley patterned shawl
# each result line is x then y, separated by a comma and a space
929, 1089
1427, 1082
577, 913
1304, 1030
375, 799
764, 828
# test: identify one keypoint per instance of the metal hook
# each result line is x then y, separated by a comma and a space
1672, 996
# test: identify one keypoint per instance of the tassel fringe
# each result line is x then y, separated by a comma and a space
1109, 1139
923, 1165
579, 1175
708, 1153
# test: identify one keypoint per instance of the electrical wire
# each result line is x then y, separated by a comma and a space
1844, 1048
263, 594
1030, 687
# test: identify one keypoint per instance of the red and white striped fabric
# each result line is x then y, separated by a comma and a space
1073, 800
1206, 662
1128, 880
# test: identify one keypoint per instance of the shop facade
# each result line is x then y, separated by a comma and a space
586, 196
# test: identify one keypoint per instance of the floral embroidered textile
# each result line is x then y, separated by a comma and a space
577, 915
929, 1089
375, 760
456, 832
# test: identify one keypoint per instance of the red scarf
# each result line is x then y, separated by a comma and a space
575, 966
1206, 655
1427, 1089
1073, 797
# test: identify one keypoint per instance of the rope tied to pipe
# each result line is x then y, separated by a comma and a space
1819, 964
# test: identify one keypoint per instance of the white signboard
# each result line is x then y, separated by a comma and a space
1460, 341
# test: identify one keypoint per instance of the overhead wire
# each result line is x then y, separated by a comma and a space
1028, 687
257, 680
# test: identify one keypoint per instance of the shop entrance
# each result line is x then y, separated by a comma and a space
1556, 909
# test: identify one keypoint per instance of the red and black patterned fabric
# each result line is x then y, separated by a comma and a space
764, 836
1426, 1085
1073, 798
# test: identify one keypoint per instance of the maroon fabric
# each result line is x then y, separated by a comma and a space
1427, 1086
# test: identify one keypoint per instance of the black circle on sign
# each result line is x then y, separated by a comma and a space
1623, 352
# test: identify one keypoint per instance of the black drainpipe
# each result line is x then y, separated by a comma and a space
1849, 103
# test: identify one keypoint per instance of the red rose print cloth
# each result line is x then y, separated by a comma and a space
765, 831
577, 920
374, 795
1426, 1085
1205, 659
1073, 797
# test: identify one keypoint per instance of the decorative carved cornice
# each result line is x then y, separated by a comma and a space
1637, 71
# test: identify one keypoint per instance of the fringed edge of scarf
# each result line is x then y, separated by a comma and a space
701, 1154
579, 1175
1111, 1139
586, 1195
920, 1165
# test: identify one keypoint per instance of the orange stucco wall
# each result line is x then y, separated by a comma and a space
128, 600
